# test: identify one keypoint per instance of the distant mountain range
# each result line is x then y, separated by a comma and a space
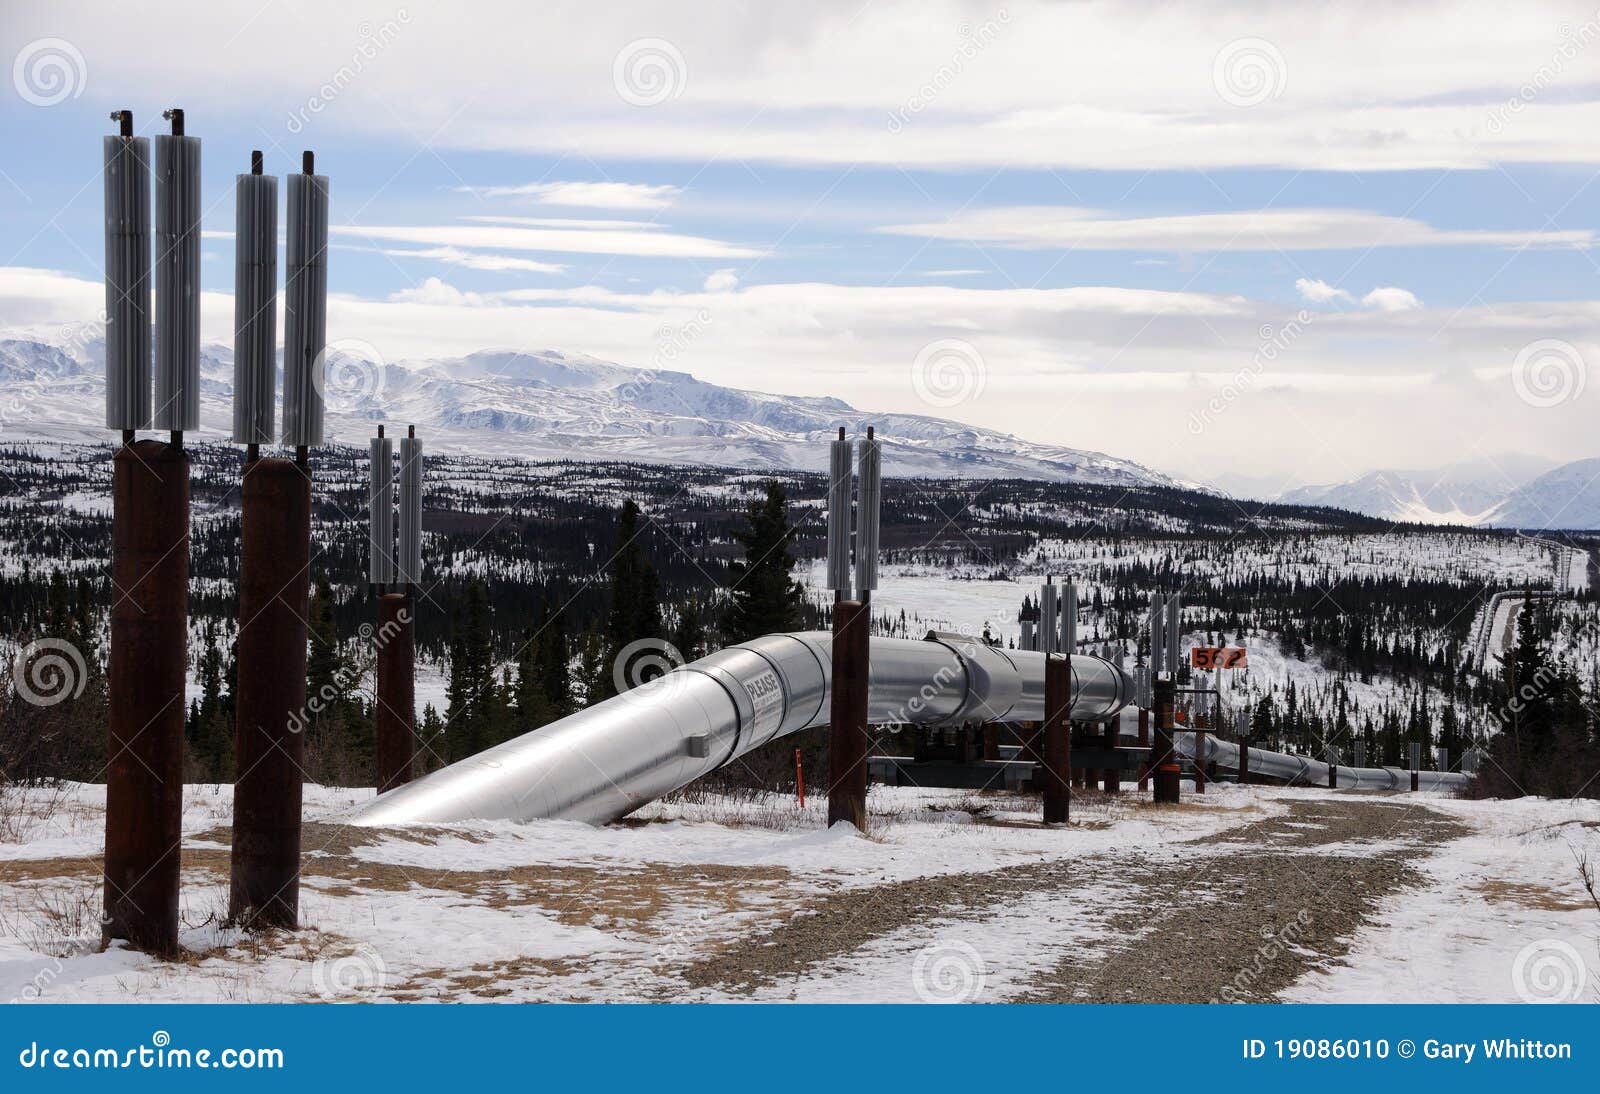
1510, 491
553, 405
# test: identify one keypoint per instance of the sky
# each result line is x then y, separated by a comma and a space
1241, 242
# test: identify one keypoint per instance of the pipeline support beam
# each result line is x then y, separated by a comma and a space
847, 740
272, 706
149, 659
1057, 739
395, 715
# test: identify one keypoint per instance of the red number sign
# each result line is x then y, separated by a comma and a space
1218, 657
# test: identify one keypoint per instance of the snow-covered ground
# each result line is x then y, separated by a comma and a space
555, 910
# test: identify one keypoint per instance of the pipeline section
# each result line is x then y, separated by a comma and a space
1304, 771
603, 762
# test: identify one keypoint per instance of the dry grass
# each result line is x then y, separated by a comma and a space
1524, 895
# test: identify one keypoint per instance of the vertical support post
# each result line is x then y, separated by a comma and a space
991, 741
1113, 775
1244, 749
395, 716
1199, 738
1144, 742
1333, 769
847, 739
1057, 738
149, 658
269, 738
1416, 764
1164, 756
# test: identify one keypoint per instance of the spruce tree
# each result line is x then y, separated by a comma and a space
635, 609
766, 598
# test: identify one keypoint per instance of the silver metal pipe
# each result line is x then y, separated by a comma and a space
1305, 771
601, 763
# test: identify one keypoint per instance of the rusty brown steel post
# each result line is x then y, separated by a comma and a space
1144, 742
149, 659
1057, 739
1199, 759
1333, 774
991, 741
1163, 756
272, 708
394, 718
847, 718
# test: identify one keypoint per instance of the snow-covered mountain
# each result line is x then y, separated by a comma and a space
1507, 491
552, 405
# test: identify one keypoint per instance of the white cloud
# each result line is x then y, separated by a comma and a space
1318, 292
1085, 85
572, 241
1391, 299
1097, 367
477, 260
1072, 228
722, 280
594, 195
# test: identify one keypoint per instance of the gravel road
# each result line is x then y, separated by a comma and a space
1241, 918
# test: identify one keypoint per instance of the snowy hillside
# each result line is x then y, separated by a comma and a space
1507, 491
551, 404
